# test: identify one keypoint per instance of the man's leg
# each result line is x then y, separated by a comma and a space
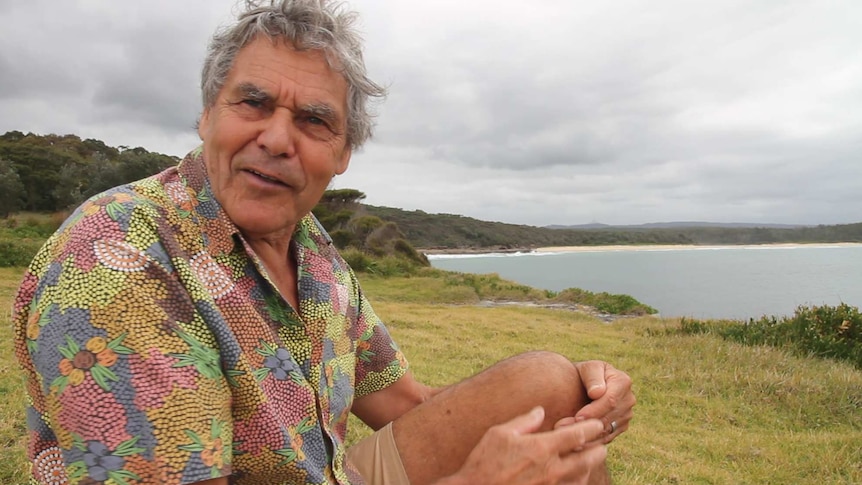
435, 438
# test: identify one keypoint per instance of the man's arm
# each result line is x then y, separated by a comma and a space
214, 481
386, 405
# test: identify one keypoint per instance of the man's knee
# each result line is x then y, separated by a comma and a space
549, 380
548, 368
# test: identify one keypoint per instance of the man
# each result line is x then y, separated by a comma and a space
199, 327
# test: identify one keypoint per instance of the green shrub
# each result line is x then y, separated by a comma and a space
362, 262
492, 287
343, 239
29, 227
822, 331
18, 252
605, 302
404, 248
359, 261
393, 266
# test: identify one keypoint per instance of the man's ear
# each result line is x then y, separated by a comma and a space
203, 123
342, 164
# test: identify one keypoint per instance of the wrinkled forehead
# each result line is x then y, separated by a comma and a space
318, 52
279, 68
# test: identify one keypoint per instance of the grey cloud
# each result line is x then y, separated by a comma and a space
157, 81
619, 110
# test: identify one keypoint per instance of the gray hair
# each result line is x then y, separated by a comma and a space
307, 25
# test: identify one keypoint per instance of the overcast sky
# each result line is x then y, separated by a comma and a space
540, 112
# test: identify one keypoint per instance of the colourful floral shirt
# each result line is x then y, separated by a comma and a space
157, 349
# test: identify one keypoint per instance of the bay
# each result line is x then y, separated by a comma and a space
730, 282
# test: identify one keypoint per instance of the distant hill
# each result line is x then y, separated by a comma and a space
674, 225
450, 231
51, 173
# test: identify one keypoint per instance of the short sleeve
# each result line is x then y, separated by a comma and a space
379, 362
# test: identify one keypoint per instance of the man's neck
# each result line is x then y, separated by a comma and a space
274, 253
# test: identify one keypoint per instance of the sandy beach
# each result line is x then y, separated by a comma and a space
678, 247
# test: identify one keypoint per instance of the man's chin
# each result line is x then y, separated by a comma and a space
263, 223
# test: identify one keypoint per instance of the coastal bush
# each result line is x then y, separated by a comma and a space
22, 235
31, 225
400, 246
821, 331
358, 260
605, 302
343, 239
393, 266
18, 252
492, 287
390, 265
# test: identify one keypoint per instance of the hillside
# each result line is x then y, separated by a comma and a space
440, 231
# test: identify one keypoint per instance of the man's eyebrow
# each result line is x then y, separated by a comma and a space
253, 92
322, 111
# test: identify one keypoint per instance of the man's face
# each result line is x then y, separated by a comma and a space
275, 136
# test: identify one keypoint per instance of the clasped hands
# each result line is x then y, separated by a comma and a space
515, 452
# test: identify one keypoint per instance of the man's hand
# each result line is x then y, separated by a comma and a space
514, 452
612, 399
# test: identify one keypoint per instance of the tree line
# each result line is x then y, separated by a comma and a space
450, 231
50, 173
53, 173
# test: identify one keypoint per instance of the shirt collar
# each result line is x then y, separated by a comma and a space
309, 233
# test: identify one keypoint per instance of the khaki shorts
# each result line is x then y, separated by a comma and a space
377, 459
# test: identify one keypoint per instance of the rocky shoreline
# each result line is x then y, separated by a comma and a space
487, 250
620, 247
574, 307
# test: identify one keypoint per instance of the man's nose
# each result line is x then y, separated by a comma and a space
278, 134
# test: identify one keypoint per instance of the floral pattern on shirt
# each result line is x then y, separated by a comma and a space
157, 349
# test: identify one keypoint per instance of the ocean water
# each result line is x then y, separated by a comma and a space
715, 282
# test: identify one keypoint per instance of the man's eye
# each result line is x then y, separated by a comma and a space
314, 120
252, 103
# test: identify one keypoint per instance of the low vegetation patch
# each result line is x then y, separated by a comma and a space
605, 302
492, 287
413, 283
821, 331
22, 235
389, 265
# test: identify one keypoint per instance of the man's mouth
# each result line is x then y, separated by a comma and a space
266, 177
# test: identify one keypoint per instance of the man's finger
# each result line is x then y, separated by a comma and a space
591, 458
567, 421
594, 410
592, 374
526, 423
571, 438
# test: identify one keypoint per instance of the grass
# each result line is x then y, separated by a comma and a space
23, 234
710, 410
13, 466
